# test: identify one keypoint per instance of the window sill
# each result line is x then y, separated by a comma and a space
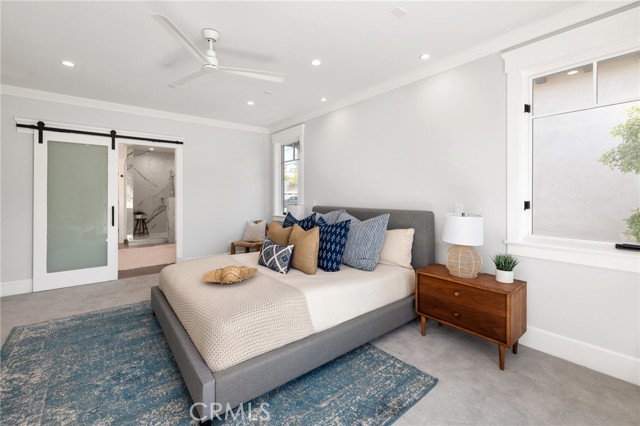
278, 217
589, 253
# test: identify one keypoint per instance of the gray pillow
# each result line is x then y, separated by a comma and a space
364, 242
346, 216
332, 217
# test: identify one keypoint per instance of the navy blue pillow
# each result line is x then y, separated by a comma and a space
306, 223
332, 241
275, 257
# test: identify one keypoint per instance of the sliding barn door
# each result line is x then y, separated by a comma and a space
75, 229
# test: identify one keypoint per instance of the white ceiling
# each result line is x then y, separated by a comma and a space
124, 56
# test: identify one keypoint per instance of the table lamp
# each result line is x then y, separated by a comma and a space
463, 231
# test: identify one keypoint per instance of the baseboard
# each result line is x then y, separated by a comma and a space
597, 358
16, 287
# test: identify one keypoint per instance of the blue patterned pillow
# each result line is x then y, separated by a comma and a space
275, 257
364, 243
332, 241
306, 223
331, 217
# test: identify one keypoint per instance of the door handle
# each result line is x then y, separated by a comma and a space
113, 216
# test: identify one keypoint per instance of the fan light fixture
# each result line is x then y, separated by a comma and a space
424, 56
316, 62
208, 59
68, 64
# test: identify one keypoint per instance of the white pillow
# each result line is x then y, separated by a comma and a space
255, 231
396, 249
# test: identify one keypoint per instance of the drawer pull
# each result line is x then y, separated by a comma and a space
455, 314
457, 293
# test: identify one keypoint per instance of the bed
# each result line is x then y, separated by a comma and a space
230, 387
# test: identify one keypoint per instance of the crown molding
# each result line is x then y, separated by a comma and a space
123, 108
557, 22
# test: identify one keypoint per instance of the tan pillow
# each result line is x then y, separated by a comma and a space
305, 249
278, 234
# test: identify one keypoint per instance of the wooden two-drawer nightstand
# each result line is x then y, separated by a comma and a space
481, 306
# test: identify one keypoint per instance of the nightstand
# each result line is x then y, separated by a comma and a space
480, 306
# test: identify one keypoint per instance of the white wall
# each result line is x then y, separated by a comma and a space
440, 141
225, 178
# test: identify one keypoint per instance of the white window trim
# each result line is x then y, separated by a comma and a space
286, 137
611, 36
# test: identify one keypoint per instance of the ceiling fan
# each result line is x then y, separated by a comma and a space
209, 60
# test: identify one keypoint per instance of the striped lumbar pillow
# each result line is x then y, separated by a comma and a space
364, 242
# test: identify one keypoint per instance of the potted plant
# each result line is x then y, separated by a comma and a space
505, 263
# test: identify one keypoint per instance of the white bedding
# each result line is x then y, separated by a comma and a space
336, 297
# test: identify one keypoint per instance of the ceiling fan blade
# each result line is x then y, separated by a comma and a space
178, 35
189, 77
262, 75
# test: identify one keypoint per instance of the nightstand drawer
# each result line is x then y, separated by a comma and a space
482, 323
475, 298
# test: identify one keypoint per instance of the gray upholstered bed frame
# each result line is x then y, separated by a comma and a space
256, 376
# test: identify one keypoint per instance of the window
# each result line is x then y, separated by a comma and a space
289, 180
288, 183
569, 197
577, 114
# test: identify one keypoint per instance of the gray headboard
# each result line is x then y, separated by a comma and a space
424, 243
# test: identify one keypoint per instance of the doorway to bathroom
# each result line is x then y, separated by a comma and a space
147, 209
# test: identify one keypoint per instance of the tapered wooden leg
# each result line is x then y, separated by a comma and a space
423, 325
515, 347
501, 354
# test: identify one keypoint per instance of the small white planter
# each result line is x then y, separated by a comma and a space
504, 276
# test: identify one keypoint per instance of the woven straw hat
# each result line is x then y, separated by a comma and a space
229, 274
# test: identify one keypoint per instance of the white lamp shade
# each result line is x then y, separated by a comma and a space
467, 230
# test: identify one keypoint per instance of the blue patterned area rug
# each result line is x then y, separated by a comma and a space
114, 367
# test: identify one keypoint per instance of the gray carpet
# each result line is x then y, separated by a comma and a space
535, 388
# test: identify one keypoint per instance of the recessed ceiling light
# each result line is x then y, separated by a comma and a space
251, 103
151, 148
572, 72
424, 56
323, 99
316, 62
68, 64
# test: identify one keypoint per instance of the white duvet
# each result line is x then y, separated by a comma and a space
337, 297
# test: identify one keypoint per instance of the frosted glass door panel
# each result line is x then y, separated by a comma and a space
77, 206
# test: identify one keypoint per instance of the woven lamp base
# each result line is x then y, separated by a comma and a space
463, 261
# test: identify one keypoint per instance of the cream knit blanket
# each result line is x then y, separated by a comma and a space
232, 323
